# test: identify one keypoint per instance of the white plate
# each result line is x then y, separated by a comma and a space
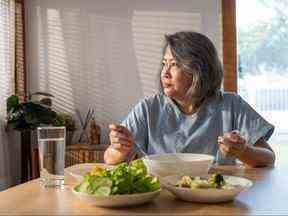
210, 195
78, 170
117, 200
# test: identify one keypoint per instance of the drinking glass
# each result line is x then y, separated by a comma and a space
51, 141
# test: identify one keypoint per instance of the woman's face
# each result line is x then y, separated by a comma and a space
175, 82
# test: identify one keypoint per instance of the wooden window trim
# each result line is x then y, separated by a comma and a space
229, 37
20, 59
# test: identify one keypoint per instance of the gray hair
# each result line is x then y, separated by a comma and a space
196, 56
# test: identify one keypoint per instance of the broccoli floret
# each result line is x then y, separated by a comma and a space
217, 180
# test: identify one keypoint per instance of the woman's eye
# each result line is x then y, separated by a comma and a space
174, 64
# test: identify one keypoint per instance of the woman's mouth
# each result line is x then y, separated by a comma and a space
166, 85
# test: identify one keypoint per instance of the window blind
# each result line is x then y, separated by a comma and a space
7, 59
7, 54
94, 54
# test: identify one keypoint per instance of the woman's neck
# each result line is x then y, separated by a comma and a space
187, 107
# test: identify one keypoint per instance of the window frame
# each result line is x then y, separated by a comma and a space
20, 54
229, 41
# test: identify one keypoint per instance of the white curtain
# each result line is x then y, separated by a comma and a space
7, 62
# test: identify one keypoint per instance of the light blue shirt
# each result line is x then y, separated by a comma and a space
158, 126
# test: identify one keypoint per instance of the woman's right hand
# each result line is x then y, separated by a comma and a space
121, 144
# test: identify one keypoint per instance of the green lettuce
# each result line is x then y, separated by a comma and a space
121, 179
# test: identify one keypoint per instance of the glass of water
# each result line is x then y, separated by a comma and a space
51, 142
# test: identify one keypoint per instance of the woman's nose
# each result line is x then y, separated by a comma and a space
166, 71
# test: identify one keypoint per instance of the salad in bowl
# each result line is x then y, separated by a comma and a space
213, 188
122, 185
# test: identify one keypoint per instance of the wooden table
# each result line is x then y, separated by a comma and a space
268, 195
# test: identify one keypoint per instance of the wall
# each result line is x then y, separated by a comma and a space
106, 54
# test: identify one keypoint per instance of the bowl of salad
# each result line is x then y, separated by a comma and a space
118, 186
212, 188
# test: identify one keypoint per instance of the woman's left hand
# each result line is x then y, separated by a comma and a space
232, 144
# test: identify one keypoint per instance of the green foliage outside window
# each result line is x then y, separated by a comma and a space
263, 46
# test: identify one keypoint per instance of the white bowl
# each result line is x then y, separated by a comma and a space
178, 164
117, 200
210, 195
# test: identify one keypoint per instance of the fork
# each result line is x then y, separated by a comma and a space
141, 151
131, 157
134, 153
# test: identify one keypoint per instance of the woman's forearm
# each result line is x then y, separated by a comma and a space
257, 156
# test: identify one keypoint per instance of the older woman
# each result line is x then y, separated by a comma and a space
190, 113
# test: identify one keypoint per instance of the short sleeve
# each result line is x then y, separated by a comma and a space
250, 123
136, 123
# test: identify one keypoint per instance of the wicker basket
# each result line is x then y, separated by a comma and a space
84, 153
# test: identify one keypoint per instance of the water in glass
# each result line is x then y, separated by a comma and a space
52, 156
